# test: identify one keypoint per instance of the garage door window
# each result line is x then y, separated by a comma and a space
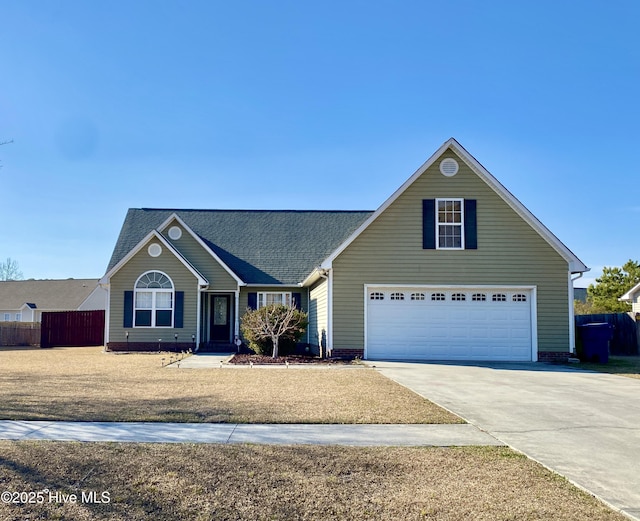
519, 297
478, 297
417, 296
458, 297
397, 296
499, 297
437, 296
376, 295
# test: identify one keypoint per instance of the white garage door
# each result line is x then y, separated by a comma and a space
448, 324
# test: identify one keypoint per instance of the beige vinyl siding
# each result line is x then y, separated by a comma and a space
125, 279
318, 312
509, 252
219, 278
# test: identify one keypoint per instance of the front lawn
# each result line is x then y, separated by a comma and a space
85, 384
286, 483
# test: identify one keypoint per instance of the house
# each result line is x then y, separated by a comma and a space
451, 267
26, 300
632, 296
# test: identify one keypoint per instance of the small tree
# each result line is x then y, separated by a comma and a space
10, 270
614, 282
273, 322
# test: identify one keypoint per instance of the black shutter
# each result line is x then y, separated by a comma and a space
252, 301
470, 225
296, 300
429, 224
128, 309
178, 320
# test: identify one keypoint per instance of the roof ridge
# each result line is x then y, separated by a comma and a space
229, 210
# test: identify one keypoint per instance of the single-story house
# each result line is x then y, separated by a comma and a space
632, 296
26, 300
451, 267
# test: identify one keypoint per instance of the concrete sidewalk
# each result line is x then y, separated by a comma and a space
284, 434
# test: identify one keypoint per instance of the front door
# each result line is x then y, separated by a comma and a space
221, 318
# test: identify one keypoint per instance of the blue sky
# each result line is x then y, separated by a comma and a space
300, 105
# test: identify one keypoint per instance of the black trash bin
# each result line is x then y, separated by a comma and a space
595, 342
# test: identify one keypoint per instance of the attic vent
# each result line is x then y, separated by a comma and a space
154, 250
449, 167
175, 233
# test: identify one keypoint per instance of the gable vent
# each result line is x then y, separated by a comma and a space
449, 167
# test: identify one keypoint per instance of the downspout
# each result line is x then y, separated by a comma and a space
572, 318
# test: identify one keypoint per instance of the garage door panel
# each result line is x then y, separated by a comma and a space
470, 324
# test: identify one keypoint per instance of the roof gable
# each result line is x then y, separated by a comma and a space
630, 295
258, 246
141, 244
175, 218
574, 263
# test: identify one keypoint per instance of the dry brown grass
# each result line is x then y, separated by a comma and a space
241, 482
85, 384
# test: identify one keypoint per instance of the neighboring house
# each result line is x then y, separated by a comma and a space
26, 300
632, 296
451, 267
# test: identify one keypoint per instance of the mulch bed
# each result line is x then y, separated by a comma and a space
246, 359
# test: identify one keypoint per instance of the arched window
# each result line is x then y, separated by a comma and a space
153, 300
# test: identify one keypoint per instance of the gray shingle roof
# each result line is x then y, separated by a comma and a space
259, 246
62, 295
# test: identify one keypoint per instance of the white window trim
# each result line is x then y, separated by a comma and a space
153, 308
461, 225
287, 298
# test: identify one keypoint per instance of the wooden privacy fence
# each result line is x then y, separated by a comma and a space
19, 333
72, 328
626, 331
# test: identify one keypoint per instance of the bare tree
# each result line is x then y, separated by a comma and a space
9, 270
5, 143
274, 322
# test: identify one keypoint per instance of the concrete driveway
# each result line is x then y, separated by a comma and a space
583, 425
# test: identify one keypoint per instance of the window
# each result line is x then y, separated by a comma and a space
437, 296
417, 296
268, 298
499, 297
449, 222
153, 301
7, 317
519, 297
458, 297
18, 317
478, 297
376, 295
397, 296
